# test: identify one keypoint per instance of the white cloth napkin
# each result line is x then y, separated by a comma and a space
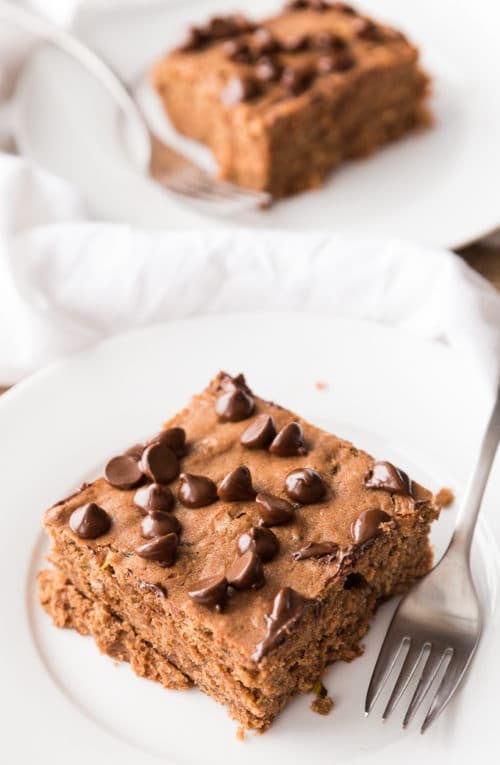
66, 282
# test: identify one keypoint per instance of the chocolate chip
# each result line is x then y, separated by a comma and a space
135, 451
344, 61
289, 442
246, 571
154, 496
267, 70
366, 29
366, 526
237, 486
196, 490
296, 81
339, 63
305, 486
289, 606
296, 5
385, 476
241, 24
220, 26
260, 432
158, 524
319, 5
174, 438
238, 50
162, 550
261, 541
316, 550
123, 472
263, 41
89, 521
327, 41
194, 39
210, 592
159, 463
295, 44
273, 510
234, 405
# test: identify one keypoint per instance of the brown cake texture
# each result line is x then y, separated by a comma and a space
283, 102
241, 550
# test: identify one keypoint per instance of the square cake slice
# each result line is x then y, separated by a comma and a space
283, 102
241, 550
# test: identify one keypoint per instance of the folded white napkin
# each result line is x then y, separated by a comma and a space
66, 282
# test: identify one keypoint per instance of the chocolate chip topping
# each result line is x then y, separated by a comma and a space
289, 442
366, 29
234, 405
174, 438
296, 81
327, 41
273, 510
238, 50
261, 541
237, 486
263, 41
335, 63
210, 592
159, 463
162, 550
89, 521
267, 70
289, 606
366, 526
305, 486
260, 432
385, 476
158, 524
246, 571
123, 472
196, 490
316, 550
295, 44
154, 496
238, 90
193, 40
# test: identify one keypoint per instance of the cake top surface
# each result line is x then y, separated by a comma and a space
286, 508
307, 48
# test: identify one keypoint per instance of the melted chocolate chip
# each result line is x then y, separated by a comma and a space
237, 486
246, 571
267, 70
174, 438
196, 490
89, 521
335, 63
319, 5
366, 526
305, 486
238, 50
162, 550
273, 510
259, 433
261, 541
326, 41
194, 40
385, 476
295, 44
159, 463
344, 61
238, 90
263, 41
316, 550
154, 496
234, 405
158, 524
210, 592
289, 442
123, 472
296, 5
366, 29
220, 27
296, 81
289, 606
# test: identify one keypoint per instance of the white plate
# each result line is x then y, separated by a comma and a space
438, 187
401, 398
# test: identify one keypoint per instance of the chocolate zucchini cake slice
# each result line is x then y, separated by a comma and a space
241, 550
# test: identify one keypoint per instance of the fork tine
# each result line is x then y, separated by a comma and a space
408, 669
447, 687
430, 670
391, 648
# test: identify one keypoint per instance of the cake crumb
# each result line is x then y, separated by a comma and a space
241, 733
445, 497
320, 385
322, 704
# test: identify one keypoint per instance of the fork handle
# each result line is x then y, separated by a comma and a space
469, 511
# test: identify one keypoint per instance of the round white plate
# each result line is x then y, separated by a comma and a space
439, 186
414, 402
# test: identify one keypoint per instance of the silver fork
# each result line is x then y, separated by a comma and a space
168, 167
439, 621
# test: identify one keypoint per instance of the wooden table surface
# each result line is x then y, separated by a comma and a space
486, 260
